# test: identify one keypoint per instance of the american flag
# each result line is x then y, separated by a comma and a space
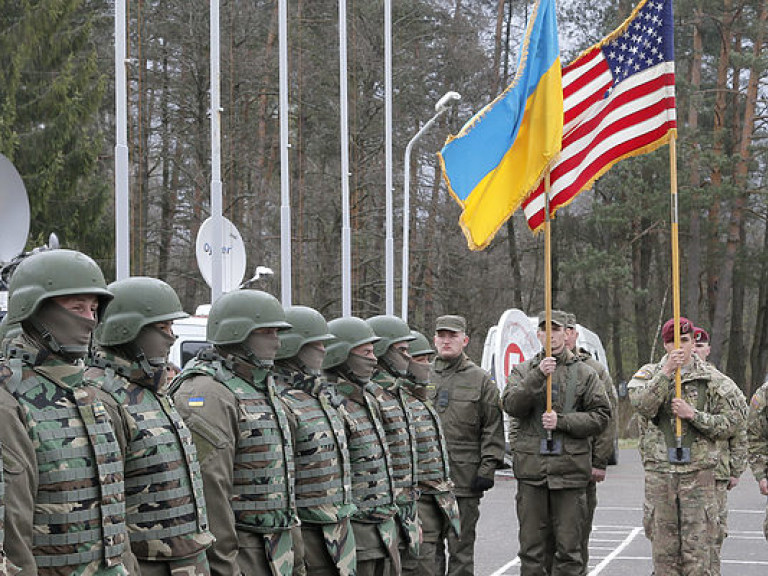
618, 101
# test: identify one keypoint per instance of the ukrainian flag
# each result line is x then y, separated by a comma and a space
504, 151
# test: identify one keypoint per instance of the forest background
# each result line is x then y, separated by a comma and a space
611, 248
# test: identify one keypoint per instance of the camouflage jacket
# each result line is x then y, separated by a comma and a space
65, 506
243, 443
467, 401
373, 485
603, 446
757, 433
165, 505
733, 450
717, 407
583, 411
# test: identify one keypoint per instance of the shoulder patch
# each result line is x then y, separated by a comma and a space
757, 402
643, 374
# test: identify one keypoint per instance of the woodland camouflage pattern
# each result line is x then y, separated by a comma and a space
79, 497
165, 505
320, 444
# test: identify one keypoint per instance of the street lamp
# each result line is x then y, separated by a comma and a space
442, 105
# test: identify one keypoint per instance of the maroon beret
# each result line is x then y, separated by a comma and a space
668, 331
700, 335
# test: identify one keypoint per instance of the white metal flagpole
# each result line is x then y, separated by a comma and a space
285, 184
122, 201
389, 272
346, 235
216, 200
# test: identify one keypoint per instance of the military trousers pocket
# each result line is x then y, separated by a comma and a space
649, 512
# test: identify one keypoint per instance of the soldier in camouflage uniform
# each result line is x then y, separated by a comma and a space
467, 402
65, 503
349, 364
165, 507
603, 445
438, 509
553, 476
732, 454
681, 513
757, 434
392, 357
323, 474
227, 397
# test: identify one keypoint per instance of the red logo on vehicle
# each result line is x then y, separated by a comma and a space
512, 357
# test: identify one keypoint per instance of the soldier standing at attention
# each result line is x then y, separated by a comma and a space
323, 475
226, 396
165, 506
349, 364
392, 355
603, 445
438, 510
553, 474
680, 503
64, 491
467, 401
757, 434
732, 453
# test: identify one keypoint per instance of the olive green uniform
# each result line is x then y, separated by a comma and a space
243, 443
165, 506
7, 568
757, 435
681, 513
65, 508
467, 401
603, 446
552, 487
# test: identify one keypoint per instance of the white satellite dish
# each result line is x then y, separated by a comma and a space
14, 212
232, 252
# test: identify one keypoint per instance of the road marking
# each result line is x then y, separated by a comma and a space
607, 560
506, 566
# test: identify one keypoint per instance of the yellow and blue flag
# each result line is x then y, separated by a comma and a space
504, 151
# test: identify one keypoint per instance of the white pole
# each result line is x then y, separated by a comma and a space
285, 185
346, 235
390, 243
122, 201
440, 107
216, 200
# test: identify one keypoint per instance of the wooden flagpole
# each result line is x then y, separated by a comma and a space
675, 283
548, 296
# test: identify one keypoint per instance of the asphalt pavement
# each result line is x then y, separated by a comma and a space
618, 546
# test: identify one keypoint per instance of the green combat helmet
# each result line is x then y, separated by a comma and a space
420, 346
307, 326
348, 332
50, 274
236, 314
390, 330
139, 302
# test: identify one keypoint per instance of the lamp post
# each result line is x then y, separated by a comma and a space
442, 105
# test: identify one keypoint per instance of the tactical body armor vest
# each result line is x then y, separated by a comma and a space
400, 437
163, 485
79, 516
263, 497
321, 457
372, 478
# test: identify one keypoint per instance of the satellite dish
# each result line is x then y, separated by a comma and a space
232, 250
14, 212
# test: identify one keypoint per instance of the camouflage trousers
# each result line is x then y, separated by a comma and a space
195, 566
681, 521
322, 543
721, 495
434, 526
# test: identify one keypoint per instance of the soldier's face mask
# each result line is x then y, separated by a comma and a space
263, 345
361, 366
155, 344
418, 372
63, 331
396, 361
311, 356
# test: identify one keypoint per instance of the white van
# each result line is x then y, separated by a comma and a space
190, 336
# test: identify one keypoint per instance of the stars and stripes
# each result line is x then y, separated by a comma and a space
618, 101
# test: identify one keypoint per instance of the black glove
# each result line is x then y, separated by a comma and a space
481, 484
